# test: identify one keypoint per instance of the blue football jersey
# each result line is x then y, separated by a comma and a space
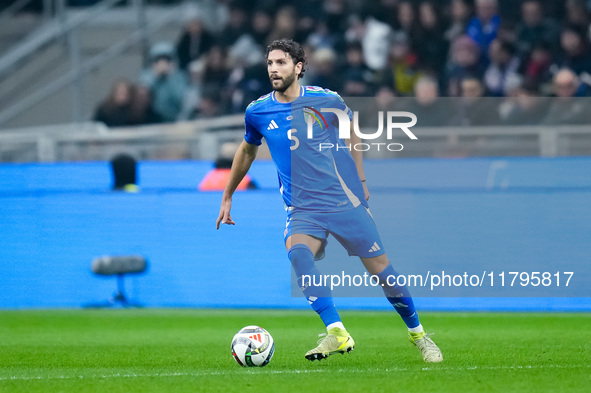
316, 170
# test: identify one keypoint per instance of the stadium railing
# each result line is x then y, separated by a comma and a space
65, 29
201, 139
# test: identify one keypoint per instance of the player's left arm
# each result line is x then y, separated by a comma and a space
358, 158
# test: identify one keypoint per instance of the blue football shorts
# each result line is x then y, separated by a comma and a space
355, 229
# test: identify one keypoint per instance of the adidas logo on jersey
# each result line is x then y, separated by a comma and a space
272, 125
375, 247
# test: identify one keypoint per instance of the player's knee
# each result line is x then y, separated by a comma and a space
301, 257
376, 265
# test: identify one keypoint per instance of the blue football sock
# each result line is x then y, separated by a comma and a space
319, 296
399, 297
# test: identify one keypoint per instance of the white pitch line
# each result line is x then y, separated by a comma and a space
308, 371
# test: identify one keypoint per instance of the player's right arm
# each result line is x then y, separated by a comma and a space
243, 159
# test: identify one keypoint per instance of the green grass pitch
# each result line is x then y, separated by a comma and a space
188, 351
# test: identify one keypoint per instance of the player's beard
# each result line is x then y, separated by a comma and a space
285, 82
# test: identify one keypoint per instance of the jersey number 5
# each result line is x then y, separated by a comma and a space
293, 138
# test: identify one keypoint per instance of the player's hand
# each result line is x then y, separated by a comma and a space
224, 216
365, 191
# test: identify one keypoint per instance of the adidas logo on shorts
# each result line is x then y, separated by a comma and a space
375, 247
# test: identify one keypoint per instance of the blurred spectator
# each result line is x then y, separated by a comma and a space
374, 38
472, 88
194, 41
194, 91
253, 84
402, 72
385, 98
484, 26
431, 46
528, 108
369, 119
464, 62
261, 26
476, 109
356, 28
215, 72
535, 29
566, 107
354, 57
322, 37
323, 70
210, 73
355, 63
567, 84
335, 16
507, 32
237, 25
407, 21
141, 110
115, 110
431, 111
284, 25
355, 85
383, 10
167, 83
577, 14
247, 79
209, 105
310, 13
503, 68
460, 16
575, 50
214, 14
537, 66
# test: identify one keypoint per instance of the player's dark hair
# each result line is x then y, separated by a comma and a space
292, 48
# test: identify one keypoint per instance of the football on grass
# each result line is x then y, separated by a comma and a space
253, 346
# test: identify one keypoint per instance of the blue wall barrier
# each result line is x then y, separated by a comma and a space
433, 213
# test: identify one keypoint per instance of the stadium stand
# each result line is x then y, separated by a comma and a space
219, 45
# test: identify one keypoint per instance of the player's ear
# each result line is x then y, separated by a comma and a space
298, 68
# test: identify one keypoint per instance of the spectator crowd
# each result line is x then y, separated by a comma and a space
523, 52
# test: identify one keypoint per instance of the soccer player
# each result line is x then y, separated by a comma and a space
324, 191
